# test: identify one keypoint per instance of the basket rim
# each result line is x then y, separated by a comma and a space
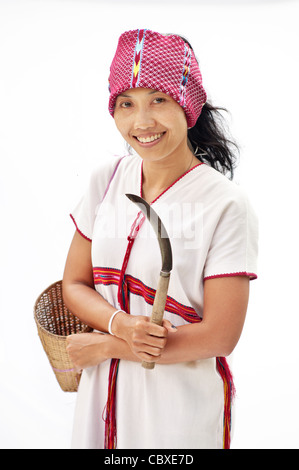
48, 333
45, 291
35, 308
44, 330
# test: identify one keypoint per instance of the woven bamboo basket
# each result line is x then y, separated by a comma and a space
54, 323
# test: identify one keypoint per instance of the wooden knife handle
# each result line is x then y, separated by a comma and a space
158, 307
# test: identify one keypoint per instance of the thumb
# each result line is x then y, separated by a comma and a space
169, 326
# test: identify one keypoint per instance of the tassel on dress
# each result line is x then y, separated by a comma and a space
110, 418
229, 393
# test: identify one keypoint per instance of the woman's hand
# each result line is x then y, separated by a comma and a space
87, 349
145, 339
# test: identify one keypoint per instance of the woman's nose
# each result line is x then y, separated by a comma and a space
143, 119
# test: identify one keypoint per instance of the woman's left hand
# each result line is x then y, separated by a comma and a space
86, 349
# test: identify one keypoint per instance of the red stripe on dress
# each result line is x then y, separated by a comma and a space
108, 276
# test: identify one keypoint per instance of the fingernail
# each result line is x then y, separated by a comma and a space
174, 327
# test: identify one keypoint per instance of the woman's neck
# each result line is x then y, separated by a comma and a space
157, 176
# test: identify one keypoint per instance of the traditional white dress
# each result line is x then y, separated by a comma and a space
213, 233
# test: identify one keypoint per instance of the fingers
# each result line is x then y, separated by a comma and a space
149, 352
149, 333
147, 357
150, 329
148, 339
154, 331
148, 343
169, 326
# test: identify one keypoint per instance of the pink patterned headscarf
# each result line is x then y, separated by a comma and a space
146, 59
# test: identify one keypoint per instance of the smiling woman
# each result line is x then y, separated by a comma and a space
159, 105
155, 125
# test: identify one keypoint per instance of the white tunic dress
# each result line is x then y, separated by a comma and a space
213, 233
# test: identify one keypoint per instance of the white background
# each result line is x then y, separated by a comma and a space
55, 128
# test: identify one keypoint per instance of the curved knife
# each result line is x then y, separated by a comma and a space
166, 254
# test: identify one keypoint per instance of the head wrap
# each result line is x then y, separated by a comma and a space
166, 63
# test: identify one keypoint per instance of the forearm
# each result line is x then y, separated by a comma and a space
225, 305
189, 343
88, 305
79, 294
194, 342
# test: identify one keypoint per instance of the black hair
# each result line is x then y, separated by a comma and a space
210, 141
210, 138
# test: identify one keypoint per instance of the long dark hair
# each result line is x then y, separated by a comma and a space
210, 138
210, 141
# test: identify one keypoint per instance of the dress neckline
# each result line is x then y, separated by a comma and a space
171, 185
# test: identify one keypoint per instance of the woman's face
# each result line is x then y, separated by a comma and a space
153, 123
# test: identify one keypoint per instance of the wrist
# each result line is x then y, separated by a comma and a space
111, 321
116, 348
109, 348
119, 324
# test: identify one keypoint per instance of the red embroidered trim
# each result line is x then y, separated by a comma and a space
78, 230
251, 276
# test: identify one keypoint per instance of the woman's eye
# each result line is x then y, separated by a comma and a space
125, 104
159, 100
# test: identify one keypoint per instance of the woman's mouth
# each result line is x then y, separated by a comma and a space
149, 139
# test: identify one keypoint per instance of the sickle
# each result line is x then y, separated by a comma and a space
166, 254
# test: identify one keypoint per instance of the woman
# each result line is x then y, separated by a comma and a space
159, 106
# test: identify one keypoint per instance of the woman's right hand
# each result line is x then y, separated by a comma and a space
145, 339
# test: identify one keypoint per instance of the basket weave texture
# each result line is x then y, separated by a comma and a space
54, 323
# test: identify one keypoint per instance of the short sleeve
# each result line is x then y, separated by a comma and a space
85, 212
234, 245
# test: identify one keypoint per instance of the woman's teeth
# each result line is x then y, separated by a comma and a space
145, 140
